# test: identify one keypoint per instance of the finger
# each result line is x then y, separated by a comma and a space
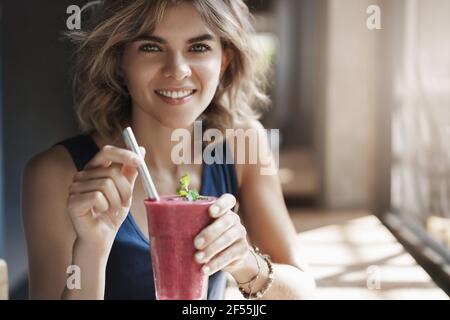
236, 233
119, 215
215, 229
114, 172
227, 257
109, 154
99, 172
82, 203
105, 185
131, 172
143, 151
226, 202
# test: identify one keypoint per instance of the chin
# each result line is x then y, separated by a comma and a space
177, 121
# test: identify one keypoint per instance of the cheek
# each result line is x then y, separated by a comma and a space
138, 72
208, 72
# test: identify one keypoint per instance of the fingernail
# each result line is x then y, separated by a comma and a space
199, 256
205, 270
214, 210
199, 242
139, 160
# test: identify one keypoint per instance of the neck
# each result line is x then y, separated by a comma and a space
156, 139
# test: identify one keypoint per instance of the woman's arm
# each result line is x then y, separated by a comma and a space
267, 225
270, 228
49, 232
71, 218
92, 266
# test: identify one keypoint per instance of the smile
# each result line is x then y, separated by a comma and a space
176, 95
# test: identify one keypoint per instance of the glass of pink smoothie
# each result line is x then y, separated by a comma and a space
173, 223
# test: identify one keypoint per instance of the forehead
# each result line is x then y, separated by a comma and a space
182, 21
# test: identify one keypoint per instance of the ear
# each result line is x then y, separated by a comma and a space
227, 56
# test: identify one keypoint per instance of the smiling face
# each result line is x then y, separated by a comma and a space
173, 73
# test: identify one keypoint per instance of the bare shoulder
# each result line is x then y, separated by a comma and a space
45, 183
49, 231
249, 124
253, 131
45, 186
50, 166
248, 136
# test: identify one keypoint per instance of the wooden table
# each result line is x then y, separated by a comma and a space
352, 255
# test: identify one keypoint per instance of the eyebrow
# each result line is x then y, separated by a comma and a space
203, 37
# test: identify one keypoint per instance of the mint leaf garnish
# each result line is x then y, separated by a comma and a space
193, 194
184, 182
183, 190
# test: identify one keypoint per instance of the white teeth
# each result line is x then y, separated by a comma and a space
175, 94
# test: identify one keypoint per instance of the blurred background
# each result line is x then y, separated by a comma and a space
361, 95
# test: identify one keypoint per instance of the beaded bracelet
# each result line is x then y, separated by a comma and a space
259, 294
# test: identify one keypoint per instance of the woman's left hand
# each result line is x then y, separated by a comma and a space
223, 244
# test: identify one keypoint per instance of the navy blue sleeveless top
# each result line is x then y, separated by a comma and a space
129, 272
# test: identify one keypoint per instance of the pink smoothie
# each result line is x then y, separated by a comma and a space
173, 224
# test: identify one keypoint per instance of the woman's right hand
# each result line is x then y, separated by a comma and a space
100, 196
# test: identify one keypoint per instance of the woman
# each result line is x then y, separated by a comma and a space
157, 66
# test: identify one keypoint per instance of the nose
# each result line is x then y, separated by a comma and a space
176, 67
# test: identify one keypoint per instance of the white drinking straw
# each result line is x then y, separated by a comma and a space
147, 181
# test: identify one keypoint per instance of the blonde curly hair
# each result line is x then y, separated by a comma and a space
102, 101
